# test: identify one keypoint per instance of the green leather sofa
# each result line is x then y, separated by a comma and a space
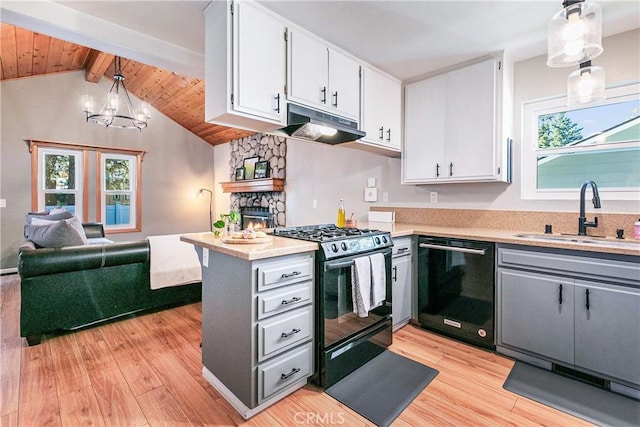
73, 287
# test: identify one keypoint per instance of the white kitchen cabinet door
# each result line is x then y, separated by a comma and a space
381, 109
344, 85
423, 154
259, 62
308, 70
471, 122
453, 126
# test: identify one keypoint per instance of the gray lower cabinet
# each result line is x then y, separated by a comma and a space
401, 266
579, 311
257, 327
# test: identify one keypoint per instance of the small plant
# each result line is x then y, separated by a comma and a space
232, 217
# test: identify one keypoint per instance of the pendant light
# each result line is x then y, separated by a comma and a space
575, 38
118, 110
585, 85
574, 34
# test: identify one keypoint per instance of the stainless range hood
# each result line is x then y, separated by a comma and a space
315, 125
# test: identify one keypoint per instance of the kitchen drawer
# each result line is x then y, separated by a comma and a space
283, 332
401, 246
285, 299
273, 275
283, 371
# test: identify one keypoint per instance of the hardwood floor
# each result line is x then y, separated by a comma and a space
146, 371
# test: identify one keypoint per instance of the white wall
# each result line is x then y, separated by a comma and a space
327, 173
176, 165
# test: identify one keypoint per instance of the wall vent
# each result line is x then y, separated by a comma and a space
581, 376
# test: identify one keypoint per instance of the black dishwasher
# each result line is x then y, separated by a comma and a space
456, 288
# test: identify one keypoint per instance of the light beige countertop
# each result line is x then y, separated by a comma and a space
277, 246
607, 245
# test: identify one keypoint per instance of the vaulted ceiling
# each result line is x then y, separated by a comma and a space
26, 54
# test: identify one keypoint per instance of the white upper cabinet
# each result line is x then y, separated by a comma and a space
381, 115
245, 66
455, 127
322, 77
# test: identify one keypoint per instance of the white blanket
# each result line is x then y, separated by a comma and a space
173, 262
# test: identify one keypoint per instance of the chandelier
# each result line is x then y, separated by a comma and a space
118, 110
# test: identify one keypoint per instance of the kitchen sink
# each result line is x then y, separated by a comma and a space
587, 240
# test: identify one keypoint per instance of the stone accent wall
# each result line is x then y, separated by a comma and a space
268, 148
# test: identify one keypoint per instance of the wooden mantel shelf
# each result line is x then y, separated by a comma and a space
253, 185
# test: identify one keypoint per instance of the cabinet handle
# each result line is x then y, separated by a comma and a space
388, 135
401, 250
335, 99
587, 294
292, 274
277, 103
381, 137
293, 372
288, 334
395, 273
437, 170
323, 91
290, 301
451, 169
560, 294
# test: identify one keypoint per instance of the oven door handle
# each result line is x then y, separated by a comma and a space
338, 265
453, 249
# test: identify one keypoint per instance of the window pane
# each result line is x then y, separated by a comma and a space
117, 175
118, 208
618, 168
59, 172
60, 200
617, 122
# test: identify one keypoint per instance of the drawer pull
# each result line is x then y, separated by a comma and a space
288, 334
293, 372
402, 250
288, 275
290, 301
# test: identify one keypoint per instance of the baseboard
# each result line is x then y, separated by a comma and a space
4, 271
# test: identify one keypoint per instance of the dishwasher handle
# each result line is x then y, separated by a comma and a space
453, 249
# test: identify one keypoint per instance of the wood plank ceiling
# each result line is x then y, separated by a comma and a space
26, 54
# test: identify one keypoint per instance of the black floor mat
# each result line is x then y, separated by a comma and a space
383, 387
582, 400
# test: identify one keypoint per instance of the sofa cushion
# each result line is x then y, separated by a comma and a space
57, 234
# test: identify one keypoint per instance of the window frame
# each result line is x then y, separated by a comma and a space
531, 111
135, 191
38, 146
80, 191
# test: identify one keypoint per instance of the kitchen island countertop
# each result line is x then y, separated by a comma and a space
250, 251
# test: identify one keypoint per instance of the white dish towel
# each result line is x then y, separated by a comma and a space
361, 286
378, 280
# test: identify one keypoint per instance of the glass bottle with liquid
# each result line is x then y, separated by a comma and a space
341, 215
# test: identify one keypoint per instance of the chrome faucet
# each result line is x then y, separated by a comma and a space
582, 219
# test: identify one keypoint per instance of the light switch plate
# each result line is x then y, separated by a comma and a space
371, 182
205, 257
3, 203
371, 194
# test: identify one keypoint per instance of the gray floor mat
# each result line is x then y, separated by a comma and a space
383, 387
582, 400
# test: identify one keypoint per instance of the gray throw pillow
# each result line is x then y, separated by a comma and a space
57, 234
47, 216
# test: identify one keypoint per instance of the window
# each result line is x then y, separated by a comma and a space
119, 195
60, 180
60, 176
563, 147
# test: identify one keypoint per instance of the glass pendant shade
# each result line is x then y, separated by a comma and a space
585, 85
574, 34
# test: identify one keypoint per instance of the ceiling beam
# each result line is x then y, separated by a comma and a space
97, 64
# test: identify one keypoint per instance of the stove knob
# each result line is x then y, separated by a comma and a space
334, 247
344, 246
377, 240
384, 239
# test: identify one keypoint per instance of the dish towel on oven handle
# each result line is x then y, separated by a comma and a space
378, 280
361, 286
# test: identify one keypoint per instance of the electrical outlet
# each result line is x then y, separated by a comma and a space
205, 257
314, 203
385, 196
3, 203
433, 197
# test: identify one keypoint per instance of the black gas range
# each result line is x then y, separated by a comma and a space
336, 242
344, 340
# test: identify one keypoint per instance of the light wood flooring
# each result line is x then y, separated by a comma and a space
146, 371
